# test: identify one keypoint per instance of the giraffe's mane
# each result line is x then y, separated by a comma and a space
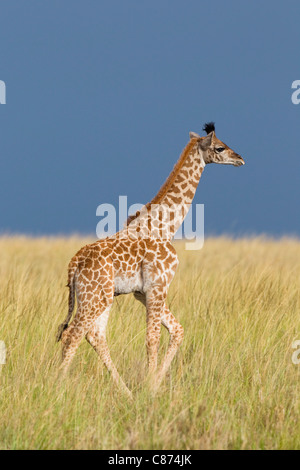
169, 181
209, 127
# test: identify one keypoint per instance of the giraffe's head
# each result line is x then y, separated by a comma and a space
214, 150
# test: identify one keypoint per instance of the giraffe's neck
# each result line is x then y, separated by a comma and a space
175, 196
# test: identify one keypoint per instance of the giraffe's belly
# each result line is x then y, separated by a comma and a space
127, 284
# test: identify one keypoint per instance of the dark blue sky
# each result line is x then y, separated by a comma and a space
101, 96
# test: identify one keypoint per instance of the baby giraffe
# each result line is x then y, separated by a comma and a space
139, 259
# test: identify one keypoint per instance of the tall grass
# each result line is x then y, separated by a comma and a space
232, 385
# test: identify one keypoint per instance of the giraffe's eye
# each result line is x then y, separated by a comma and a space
219, 149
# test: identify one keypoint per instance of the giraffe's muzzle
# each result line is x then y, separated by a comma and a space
238, 161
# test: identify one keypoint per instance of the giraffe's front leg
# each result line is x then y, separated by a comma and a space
152, 340
176, 337
154, 304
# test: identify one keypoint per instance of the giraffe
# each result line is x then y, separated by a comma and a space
139, 259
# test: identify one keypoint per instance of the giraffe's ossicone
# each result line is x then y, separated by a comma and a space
139, 259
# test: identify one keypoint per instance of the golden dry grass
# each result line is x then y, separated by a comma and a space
232, 385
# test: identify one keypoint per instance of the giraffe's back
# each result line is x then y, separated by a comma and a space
132, 262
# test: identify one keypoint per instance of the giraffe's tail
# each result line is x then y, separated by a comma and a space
71, 284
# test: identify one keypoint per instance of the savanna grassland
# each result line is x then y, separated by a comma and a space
233, 384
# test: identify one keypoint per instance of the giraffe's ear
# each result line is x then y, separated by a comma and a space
206, 141
193, 135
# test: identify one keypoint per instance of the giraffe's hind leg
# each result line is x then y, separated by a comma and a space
97, 339
95, 292
72, 336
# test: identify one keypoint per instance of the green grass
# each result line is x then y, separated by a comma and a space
231, 386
